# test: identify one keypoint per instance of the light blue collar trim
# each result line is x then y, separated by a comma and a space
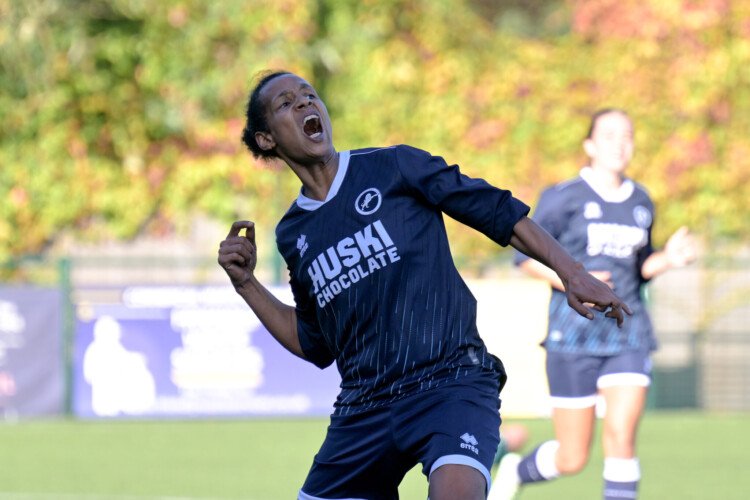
306, 203
617, 196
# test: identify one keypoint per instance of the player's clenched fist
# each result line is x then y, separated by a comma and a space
237, 253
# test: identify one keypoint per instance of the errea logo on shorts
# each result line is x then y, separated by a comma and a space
368, 201
469, 442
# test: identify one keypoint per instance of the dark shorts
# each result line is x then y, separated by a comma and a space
366, 455
574, 379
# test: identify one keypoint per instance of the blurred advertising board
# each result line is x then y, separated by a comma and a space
32, 381
512, 321
199, 351
187, 351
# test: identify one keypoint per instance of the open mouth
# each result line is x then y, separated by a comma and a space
312, 126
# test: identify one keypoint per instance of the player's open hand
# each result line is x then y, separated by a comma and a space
238, 253
681, 248
582, 288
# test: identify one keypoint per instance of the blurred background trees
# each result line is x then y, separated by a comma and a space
122, 118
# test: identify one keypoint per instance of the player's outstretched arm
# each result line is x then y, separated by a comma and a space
238, 257
681, 249
580, 287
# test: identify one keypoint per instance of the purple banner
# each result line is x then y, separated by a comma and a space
188, 351
31, 370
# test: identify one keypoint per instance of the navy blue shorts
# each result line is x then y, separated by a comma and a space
366, 455
574, 379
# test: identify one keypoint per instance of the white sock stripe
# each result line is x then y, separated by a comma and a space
546, 458
614, 379
622, 470
573, 403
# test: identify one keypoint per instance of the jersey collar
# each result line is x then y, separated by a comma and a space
617, 196
306, 203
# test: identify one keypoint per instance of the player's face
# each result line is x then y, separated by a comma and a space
298, 121
611, 144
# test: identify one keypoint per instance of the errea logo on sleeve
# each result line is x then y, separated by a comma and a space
592, 210
302, 244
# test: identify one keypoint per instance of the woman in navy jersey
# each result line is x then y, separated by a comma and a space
603, 219
376, 291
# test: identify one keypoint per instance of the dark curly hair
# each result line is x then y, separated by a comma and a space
255, 115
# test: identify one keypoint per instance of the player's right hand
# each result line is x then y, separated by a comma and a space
605, 277
238, 253
583, 288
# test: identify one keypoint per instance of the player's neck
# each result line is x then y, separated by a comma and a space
606, 180
317, 179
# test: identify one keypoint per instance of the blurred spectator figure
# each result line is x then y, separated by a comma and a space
120, 379
513, 437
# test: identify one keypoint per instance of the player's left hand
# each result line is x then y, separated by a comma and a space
681, 248
582, 288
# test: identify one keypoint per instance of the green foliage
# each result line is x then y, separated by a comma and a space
122, 117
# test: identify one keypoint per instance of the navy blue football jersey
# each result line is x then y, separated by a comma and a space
374, 283
612, 234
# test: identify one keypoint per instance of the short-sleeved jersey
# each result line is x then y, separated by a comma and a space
374, 283
612, 234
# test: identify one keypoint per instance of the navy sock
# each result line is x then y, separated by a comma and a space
539, 465
621, 477
614, 490
528, 472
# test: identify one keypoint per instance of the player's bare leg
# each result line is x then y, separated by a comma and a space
625, 405
574, 430
568, 454
452, 481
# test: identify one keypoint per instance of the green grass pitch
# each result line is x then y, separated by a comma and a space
683, 455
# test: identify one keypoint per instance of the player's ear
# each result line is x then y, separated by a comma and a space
589, 147
265, 141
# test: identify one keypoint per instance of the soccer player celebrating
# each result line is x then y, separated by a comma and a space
376, 291
604, 220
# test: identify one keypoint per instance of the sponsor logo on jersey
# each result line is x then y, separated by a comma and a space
302, 245
351, 259
642, 216
592, 210
469, 443
368, 201
615, 240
